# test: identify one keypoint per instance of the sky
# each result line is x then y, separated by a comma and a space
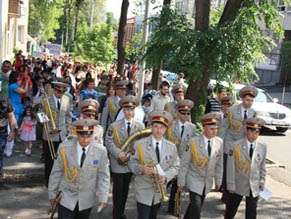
115, 7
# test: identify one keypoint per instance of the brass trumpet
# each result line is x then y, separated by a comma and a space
178, 204
156, 178
54, 206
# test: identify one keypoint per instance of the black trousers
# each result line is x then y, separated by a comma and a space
121, 183
146, 211
194, 208
174, 188
48, 161
233, 204
64, 213
225, 195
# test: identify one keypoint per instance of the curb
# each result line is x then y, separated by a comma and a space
274, 164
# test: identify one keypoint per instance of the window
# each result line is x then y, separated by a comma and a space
21, 33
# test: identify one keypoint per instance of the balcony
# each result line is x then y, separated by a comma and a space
14, 8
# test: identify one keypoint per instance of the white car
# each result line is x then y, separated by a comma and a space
267, 108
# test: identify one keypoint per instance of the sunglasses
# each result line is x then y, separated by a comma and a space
254, 130
90, 114
185, 113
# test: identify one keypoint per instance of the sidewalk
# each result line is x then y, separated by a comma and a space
24, 196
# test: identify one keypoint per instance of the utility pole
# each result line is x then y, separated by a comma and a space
144, 40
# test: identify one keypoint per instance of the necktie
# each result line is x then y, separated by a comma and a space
209, 148
182, 130
245, 115
128, 128
158, 151
59, 104
251, 151
83, 157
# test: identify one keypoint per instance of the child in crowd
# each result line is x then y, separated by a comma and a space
27, 129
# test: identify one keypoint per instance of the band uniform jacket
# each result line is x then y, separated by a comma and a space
109, 111
62, 118
195, 178
254, 176
144, 186
92, 179
170, 107
175, 135
232, 128
111, 141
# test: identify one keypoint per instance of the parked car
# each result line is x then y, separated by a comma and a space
275, 114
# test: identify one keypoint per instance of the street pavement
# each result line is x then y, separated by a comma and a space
24, 196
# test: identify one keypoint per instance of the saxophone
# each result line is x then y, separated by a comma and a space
133, 137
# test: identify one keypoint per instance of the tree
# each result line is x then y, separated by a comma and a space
96, 45
43, 18
121, 34
226, 48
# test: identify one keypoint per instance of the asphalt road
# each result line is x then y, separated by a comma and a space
279, 147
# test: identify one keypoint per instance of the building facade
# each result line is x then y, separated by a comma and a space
13, 27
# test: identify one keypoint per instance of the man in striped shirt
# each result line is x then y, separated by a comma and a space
213, 103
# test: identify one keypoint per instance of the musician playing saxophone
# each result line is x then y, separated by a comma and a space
153, 149
116, 135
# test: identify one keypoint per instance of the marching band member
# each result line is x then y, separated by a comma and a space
201, 162
80, 172
112, 104
246, 170
232, 128
116, 135
88, 109
180, 132
154, 163
60, 107
178, 93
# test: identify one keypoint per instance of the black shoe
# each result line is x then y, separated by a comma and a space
171, 211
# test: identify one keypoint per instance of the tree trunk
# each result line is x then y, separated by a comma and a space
197, 89
121, 34
157, 69
230, 11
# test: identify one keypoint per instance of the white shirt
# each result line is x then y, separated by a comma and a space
57, 100
205, 139
80, 152
180, 126
126, 122
154, 141
243, 112
249, 146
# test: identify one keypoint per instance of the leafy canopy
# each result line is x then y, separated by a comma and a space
96, 45
43, 18
230, 49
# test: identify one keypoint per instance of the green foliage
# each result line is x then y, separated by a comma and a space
287, 53
96, 45
43, 18
133, 51
230, 49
